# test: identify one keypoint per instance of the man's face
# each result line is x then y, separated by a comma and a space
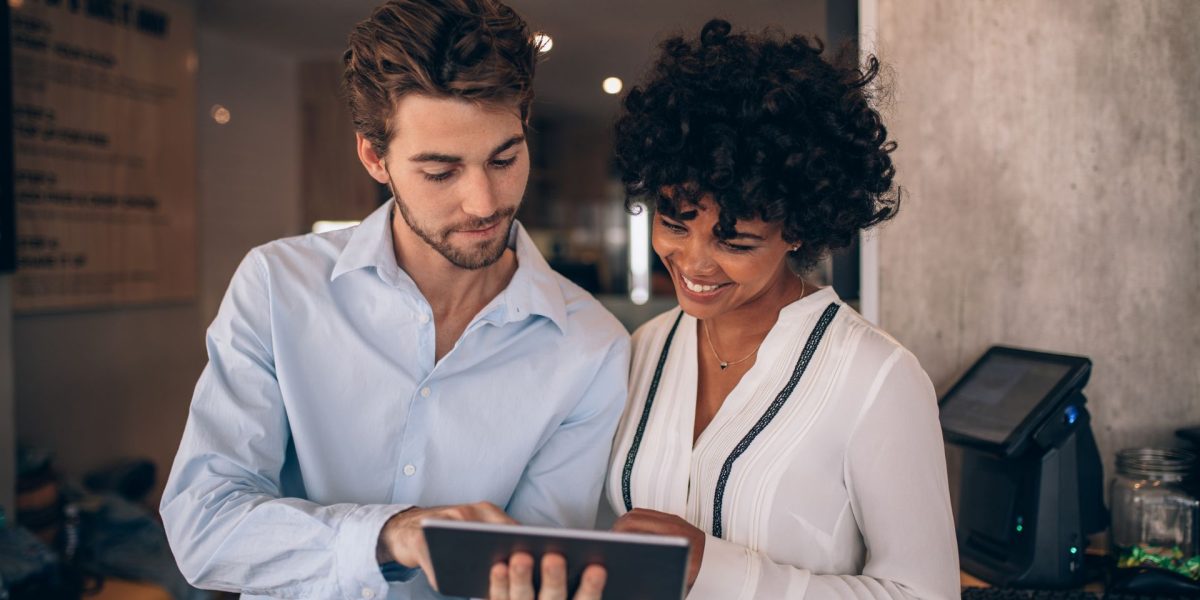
458, 171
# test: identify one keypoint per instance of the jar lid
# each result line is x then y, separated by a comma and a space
1149, 462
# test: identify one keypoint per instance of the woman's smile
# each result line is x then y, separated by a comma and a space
699, 289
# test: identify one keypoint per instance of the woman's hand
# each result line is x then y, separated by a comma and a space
641, 520
514, 581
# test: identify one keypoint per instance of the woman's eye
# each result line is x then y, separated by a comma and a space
504, 163
736, 248
672, 226
437, 177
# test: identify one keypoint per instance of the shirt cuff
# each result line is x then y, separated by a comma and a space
724, 570
359, 573
394, 572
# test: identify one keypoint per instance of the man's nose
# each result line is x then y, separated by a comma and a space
480, 198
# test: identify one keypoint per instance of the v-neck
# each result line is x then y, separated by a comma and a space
670, 425
771, 347
692, 377
730, 406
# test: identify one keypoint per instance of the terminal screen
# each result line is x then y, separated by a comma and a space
999, 394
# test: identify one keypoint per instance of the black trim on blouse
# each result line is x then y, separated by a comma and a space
810, 348
641, 428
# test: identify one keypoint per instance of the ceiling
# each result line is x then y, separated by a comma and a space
592, 39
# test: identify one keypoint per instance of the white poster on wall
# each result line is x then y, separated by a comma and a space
104, 142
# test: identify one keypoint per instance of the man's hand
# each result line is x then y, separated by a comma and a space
403, 541
641, 520
514, 581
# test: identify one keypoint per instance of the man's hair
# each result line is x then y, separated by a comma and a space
477, 50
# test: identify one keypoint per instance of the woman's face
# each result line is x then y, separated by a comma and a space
714, 276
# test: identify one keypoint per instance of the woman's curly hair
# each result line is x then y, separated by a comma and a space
768, 129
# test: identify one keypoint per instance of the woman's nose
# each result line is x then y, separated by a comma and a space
695, 259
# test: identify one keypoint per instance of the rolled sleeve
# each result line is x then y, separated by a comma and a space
359, 572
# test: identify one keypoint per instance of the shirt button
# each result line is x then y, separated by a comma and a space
368, 593
423, 318
410, 470
425, 392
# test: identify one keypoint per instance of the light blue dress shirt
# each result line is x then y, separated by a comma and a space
322, 412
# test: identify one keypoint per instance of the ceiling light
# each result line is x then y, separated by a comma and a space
220, 114
612, 85
543, 42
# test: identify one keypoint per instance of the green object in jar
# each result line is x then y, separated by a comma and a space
1167, 559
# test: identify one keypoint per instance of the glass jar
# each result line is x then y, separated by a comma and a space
1156, 511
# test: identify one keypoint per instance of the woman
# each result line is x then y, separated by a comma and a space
793, 443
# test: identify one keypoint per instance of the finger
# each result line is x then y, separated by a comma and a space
490, 513
591, 585
635, 523
427, 566
624, 522
554, 578
520, 577
498, 582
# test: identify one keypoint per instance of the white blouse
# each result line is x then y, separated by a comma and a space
834, 490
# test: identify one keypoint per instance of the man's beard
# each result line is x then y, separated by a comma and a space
478, 255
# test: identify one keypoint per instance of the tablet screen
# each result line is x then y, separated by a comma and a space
998, 395
639, 566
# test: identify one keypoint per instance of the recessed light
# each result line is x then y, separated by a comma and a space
220, 114
543, 42
612, 85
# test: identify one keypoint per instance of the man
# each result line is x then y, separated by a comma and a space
426, 363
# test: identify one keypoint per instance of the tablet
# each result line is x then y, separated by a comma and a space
640, 566
1007, 394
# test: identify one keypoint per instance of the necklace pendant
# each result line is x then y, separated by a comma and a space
724, 365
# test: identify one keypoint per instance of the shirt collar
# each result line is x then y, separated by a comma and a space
801, 310
370, 245
533, 290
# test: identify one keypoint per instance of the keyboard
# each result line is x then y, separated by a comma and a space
1000, 593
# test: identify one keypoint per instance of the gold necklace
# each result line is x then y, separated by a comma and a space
727, 364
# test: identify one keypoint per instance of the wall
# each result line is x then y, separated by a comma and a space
334, 185
1048, 150
95, 386
8, 447
249, 168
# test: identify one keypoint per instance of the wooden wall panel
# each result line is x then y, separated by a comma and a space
334, 184
105, 152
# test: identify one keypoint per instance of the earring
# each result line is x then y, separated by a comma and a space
795, 248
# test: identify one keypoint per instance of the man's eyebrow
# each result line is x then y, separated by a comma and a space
512, 141
452, 159
435, 157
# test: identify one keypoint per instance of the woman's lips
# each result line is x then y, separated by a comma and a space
700, 291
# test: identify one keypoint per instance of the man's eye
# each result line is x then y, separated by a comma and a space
504, 163
435, 177
736, 247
